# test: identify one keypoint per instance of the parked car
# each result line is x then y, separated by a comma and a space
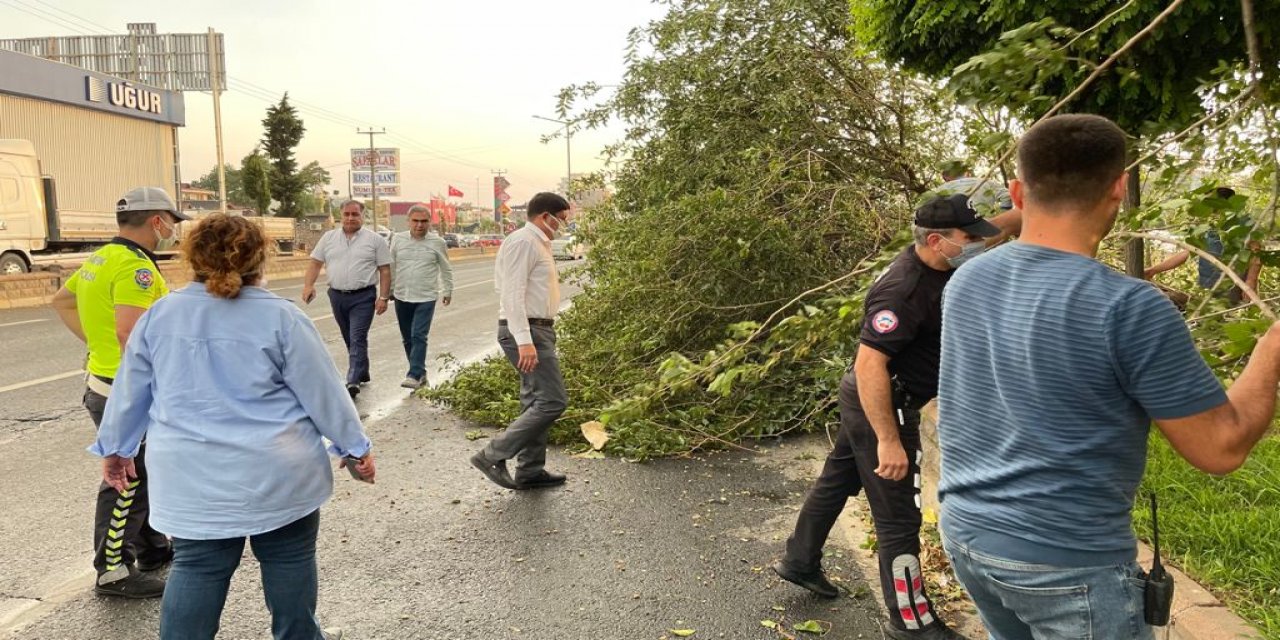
568, 248
451, 240
490, 240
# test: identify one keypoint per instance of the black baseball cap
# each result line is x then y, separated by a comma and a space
954, 212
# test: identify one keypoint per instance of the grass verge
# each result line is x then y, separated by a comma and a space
1224, 532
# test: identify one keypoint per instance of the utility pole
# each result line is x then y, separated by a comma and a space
568, 160
216, 88
373, 172
497, 214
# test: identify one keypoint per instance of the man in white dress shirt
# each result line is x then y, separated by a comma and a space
529, 292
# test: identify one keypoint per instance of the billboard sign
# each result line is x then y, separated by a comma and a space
172, 61
388, 159
384, 177
365, 190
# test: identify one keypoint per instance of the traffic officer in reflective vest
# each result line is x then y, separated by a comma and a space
100, 304
877, 450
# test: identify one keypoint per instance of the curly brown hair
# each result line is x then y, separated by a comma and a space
226, 253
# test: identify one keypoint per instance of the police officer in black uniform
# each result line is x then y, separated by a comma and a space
878, 448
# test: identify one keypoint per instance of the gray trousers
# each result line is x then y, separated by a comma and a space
542, 401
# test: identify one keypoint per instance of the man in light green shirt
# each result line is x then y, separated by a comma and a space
420, 274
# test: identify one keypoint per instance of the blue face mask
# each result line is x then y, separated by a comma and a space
968, 251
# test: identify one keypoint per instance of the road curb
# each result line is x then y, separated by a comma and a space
1197, 613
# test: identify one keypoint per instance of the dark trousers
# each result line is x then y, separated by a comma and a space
415, 324
121, 533
895, 508
354, 313
197, 587
542, 400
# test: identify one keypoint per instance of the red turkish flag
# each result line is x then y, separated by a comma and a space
454, 192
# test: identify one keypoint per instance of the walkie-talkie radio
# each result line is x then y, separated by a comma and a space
1158, 584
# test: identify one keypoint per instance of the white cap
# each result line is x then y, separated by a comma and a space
149, 199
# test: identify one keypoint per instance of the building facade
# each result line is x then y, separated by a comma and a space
95, 135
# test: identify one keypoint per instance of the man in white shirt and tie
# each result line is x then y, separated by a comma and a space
529, 294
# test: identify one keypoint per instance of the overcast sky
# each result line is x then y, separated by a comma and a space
455, 83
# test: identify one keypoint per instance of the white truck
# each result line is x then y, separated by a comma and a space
32, 229
36, 233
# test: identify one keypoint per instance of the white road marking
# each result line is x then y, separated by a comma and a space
14, 324
78, 372
473, 284
32, 383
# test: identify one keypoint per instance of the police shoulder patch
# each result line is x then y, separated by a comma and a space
884, 321
144, 278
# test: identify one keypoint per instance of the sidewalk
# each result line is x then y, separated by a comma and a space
434, 551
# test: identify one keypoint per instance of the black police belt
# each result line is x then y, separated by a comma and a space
903, 399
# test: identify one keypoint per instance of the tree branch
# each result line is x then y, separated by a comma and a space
1253, 296
1106, 64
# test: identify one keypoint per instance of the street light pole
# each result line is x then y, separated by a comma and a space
568, 158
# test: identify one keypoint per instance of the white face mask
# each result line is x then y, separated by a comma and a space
558, 232
163, 243
968, 251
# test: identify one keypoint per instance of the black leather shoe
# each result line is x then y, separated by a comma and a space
354, 390
815, 582
495, 471
138, 586
542, 481
935, 631
156, 565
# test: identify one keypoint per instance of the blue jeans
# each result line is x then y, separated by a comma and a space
1019, 600
354, 314
415, 323
201, 574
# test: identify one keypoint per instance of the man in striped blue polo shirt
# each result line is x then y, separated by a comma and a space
1053, 367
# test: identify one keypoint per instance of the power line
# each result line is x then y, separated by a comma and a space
252, 90
47, 17
90, 24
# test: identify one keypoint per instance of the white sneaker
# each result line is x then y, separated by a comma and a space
333, 633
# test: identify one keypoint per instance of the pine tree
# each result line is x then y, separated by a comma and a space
284, 131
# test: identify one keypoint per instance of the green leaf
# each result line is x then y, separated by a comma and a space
682, 633
769, 624
810, 626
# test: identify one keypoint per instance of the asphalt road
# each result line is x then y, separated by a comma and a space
433, 550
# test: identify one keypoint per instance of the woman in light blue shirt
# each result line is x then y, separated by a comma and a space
234, 390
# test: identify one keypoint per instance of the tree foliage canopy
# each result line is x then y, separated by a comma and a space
256, 175
1029, 61
762, 157
283, 130
235, 188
